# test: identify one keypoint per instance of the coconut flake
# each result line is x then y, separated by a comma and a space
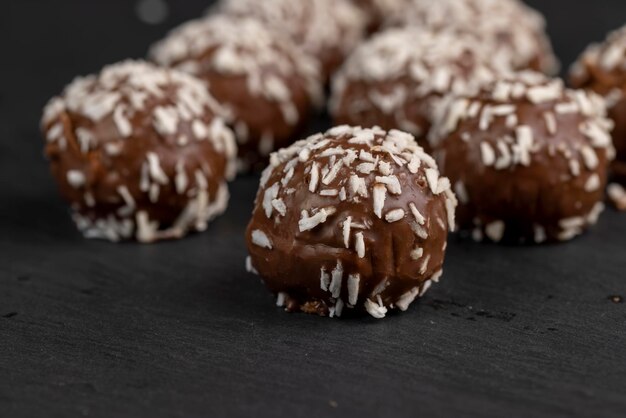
309, 223
360, 244
346, 231
353, 288
260, 239
336, 279
379, 195
394, 215
376, 310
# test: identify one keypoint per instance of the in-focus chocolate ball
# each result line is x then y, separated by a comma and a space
325, 29
512, 31
396, 79
139, 152
267, 84
602, 69
527, 158
355, 218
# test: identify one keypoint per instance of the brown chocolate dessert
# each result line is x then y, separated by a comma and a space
267, 84
512, 31
354, 218
602, 69
378, 11
139, 152
325, 29
528, 159
396, 79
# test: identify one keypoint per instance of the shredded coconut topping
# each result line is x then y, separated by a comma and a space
602, 61
318, 183
420, 65
126, 97
512, 32
318, 26
507, 98
230, 45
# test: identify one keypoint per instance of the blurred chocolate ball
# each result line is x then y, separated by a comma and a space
602, 69
140, 152
268, 86
396, 79
528, 159
512, 31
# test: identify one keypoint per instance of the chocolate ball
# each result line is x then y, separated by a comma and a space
354, 218
267, 84
326, 29
527, 158
602, 69
396, 79
139, 152
512, 31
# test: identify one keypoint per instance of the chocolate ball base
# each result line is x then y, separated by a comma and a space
532, 204
392, 266
100, 222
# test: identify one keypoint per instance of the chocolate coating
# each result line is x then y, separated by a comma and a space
528, 159
353, 217
267, 84
139, 152
377, 11
513, 32
602, 69
396, 79
325, 29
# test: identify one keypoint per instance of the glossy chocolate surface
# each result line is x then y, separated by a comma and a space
354, 217
528, 159
139, 152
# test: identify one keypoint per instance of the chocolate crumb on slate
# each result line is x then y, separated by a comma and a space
375, 245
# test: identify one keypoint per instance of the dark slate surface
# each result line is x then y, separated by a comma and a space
179, 329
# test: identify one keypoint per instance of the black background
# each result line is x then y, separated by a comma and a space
180, 329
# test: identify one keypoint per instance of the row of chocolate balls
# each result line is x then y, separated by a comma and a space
141, 151
267, 62
144, 152
258, 81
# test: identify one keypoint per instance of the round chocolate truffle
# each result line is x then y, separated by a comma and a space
602, 69
396, 79
267, 84
139, 152
512, 31
325, 29
353, 217
527, 158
